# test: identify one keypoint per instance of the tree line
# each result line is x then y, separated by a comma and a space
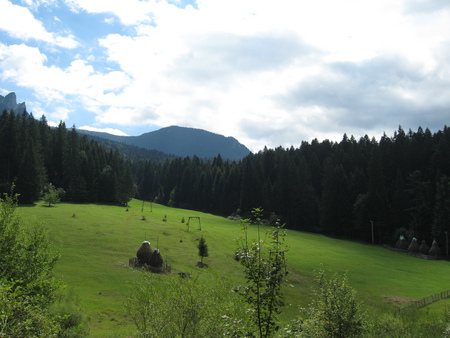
361, 189
33, 155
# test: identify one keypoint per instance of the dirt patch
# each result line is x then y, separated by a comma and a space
399, 300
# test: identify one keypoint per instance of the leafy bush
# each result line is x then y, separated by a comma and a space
27, 285
170, 306
334, 312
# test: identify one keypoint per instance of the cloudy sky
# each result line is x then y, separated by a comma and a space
269, 73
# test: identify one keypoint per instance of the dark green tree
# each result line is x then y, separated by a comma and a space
421, 206
441, 224
202, 249
31, 174
377, 200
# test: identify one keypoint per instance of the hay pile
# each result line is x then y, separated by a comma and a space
435, 250
144, 253
414, 246
156, 260
149, 259
402, 244
424, 248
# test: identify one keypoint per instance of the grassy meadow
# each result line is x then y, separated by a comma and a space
96, 242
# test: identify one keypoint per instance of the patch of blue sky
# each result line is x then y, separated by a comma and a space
184, 3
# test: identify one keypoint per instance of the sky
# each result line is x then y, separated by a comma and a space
268, 73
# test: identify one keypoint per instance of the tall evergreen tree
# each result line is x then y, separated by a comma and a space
441, 224
377, 197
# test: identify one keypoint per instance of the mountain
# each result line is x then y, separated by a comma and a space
128, 151
182, 141
9, 102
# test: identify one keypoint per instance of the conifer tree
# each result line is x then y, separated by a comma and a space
202, 249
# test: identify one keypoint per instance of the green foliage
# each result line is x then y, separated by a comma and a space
69, 316
202, 248
25, 254
335, 311
442, 209
27, 286
410, 323
171, 306
265, 269
32, 153
51, 195
20, 316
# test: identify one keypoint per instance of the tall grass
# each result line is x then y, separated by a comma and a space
96, 241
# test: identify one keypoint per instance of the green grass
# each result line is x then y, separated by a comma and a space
96, 241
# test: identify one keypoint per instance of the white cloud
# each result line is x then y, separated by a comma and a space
265, 73
129, 12
60, 114
26, 66
213, 66
37, 3
20, 23
104, 130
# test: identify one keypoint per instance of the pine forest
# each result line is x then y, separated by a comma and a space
360, 189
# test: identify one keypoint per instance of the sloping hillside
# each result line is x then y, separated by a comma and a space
181, 141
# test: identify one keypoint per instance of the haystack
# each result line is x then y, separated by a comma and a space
156, 260
414, 246
402, 244
435, 250
424, 248
144, 253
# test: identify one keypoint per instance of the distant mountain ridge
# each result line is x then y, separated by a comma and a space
172, 141
183, 141
9, 102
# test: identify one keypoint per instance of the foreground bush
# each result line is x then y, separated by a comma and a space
27, 285
174, 306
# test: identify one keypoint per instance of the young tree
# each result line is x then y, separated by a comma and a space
51, 195
335, 311
265, 268
202, 249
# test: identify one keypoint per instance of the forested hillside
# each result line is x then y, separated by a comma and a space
331, 188
181, 142
400, 184
32, 155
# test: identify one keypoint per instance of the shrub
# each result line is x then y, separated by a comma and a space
170, 306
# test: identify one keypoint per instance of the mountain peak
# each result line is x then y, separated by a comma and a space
9, 102
184, 141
